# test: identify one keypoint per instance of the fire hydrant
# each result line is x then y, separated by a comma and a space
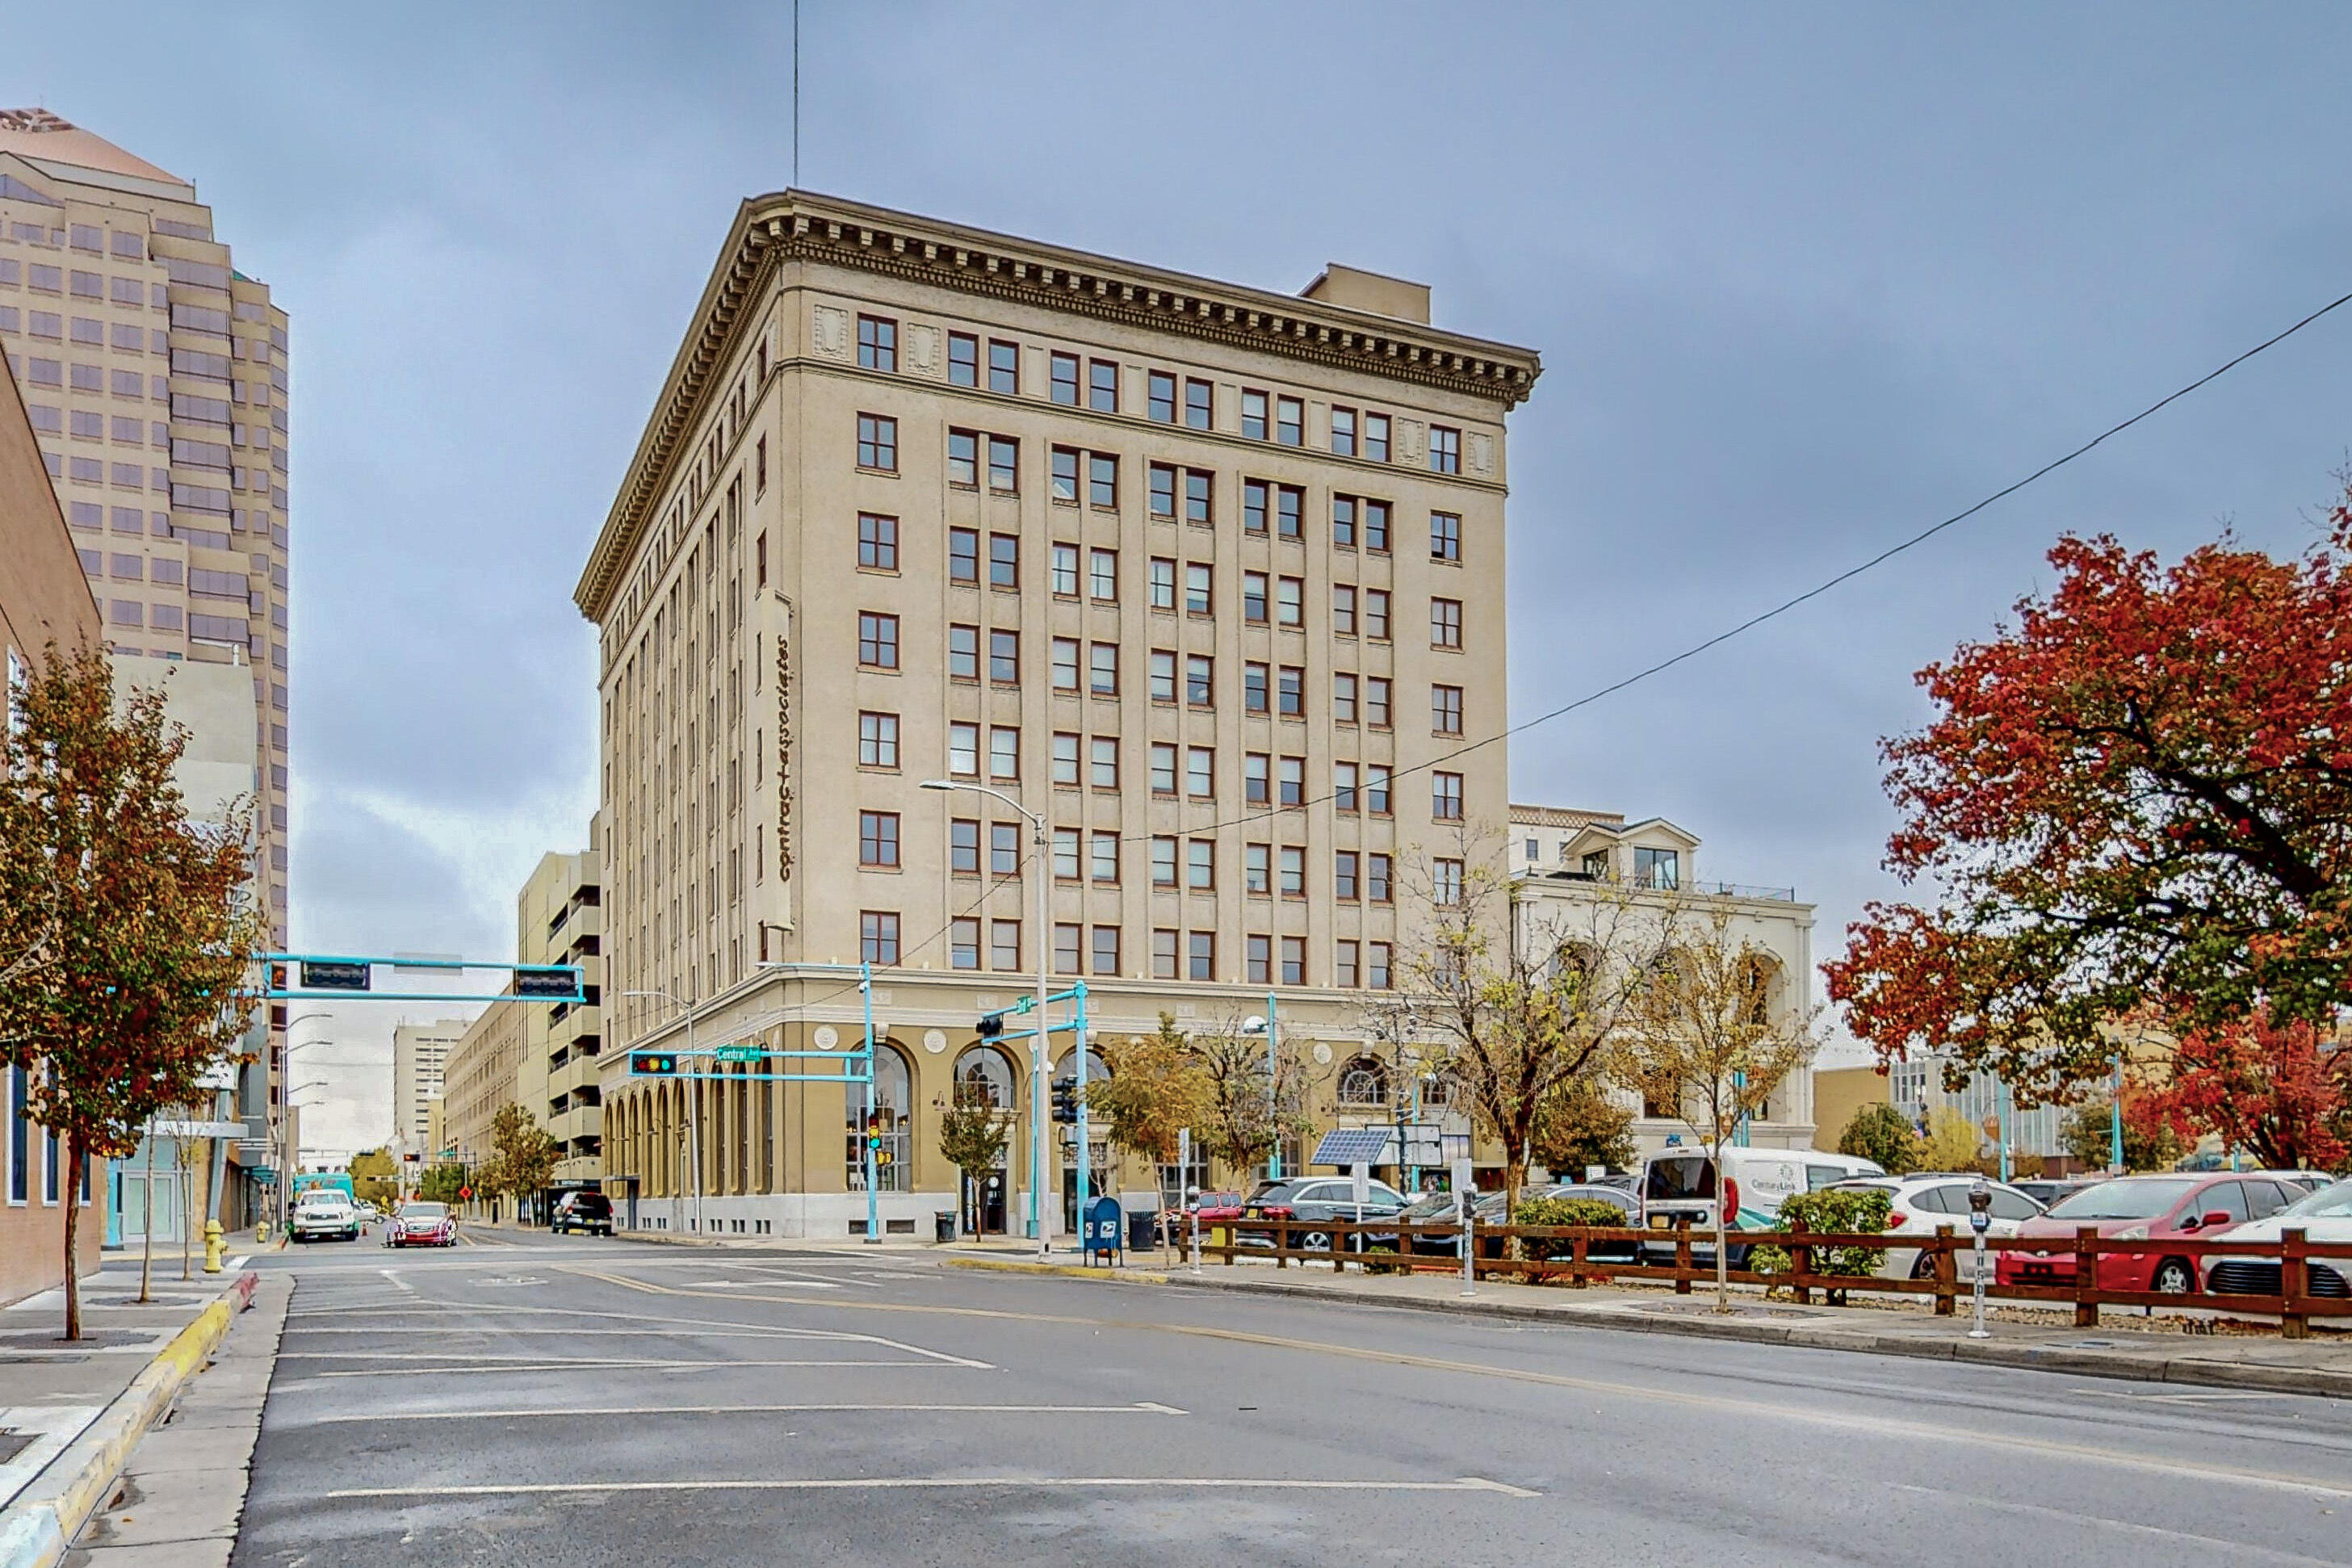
212, 1246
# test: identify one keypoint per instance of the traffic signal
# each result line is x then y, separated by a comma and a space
653, 1064
991, 1026
1065, 1100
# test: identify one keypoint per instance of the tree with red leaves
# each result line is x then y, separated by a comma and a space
143, 921
2280, 1091
2140, 798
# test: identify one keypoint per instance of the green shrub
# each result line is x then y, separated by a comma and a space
1856, 1211
1565, 1211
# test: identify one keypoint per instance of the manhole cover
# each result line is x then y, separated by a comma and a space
91, 1339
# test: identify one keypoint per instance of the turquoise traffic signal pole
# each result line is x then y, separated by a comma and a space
1085, 1170
1273, 1103
865, 991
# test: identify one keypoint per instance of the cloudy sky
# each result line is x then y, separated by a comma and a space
1804, 280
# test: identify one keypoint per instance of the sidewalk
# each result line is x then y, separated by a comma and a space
71, 1412
2319, 1366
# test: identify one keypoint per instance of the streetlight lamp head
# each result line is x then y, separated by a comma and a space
935, 784
1252, 1025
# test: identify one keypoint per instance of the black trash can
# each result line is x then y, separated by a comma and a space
946, 1220
1143, 1230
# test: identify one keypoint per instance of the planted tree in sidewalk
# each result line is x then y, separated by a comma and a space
442, 1183
973, 1135
2088, 1134
1704, 1037
1251, 1108
522, 1157
1156, 1092
375, 1176
1952, 1142
151, 923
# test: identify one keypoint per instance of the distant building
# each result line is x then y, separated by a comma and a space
420, 1056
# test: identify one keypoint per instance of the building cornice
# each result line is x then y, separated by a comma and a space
797, 226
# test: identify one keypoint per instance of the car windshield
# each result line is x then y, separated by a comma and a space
425, 1211
591, 1202
2123, 1200
2328, 1203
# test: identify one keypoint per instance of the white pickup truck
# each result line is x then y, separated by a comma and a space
326, 1214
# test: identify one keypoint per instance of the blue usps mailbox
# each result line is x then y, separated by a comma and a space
1100, 1231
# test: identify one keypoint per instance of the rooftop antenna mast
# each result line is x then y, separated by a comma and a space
796, 94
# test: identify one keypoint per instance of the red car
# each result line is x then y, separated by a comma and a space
1216, 1208
422, 1224
2138, 1208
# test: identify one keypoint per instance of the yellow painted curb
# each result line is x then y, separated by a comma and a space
1062, 1271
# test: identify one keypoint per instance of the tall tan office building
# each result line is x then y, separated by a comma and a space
1207, 575
420, 1057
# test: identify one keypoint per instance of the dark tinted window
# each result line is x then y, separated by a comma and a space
2221, 1197
1681, 1176
591, 1206
1946, 1199
2266, 1198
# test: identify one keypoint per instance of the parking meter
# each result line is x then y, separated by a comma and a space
1980, 1222
1192, 1202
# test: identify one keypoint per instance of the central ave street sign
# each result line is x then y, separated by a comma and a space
738, 1054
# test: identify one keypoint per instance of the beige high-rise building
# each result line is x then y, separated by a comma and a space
1210, 576
420, 1056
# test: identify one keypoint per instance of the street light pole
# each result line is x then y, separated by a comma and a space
1041, 1040
693, 1100
1272, 1023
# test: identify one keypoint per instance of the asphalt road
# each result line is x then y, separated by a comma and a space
590, 1402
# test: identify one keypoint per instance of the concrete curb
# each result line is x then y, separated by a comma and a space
2201, 1369
1062, 1271
36, 1529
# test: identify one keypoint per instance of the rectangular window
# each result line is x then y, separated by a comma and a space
1445, 797
1067, 939
1162, 501
877, 343
1102, 576
1377, 711
1005, 752
1445, 536
1163, 768
963, 359
1254, 598
878, 543
1201, 865
1289, 422
1102, 479
1163, 954
1201, 772
1445, 882
1199, 680
1290, 691
1065, 854
1199, 598
1445, 710
1376, 527
1104, 956
1257, 778
1293, 871
1004, 560
1004, 849
1004, 944
1343, 432
1066, 758
1197, 504
1004, 465
1343, 788
1200, 955
878, 838
1376, 788
1445, 623
964, 458
1253, 506
1062, 571
1003, 366
1103, 763
878, 936
1343, 521
1344, 972
1062, 479
1257, 960
1163, 862
1376, 614
878, 739
1103, 861
1346, 877
1003, 658
1444, 450
1102, 669
1376, 438
1343, 609
1658, 867
1159, 396
1254, 691
877, 443
1290, 781
1289, 512
964, 653
1253, 413
1376, 965
1290, 602
1294, 960
1343, 698
1257, 869
963, 846
878, 640
1196, 405
1063, 377
1163, 675
964, 943
1163, 583
1102, 386
963, 556
963, 750
1379, 887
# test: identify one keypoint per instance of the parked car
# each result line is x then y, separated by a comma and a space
2309, 1181
2049, 1190
1680, 1181
1215, 1208
2325, 1216
1608, 1191
323, 1213
422, 1224
1317, 1198
1918, 1205
2139, 1208
582, 1211
1443, 1209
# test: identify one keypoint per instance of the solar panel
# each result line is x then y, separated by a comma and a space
1353, 1146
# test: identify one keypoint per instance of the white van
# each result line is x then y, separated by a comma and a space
1680, 1179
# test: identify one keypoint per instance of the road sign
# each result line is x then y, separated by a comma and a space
559, 982
738, 1054
322, 975
466, 1193
653, 1064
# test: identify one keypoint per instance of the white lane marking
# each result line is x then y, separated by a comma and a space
2120, 1526
1143, 1408
755, 1284
2215, 1397
453, 1358
397, 1280
890, 1483
453, 1370
233, 1264
446, 1331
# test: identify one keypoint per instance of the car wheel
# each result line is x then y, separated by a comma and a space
1924, 1266
1315, 1241
2174, 1277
